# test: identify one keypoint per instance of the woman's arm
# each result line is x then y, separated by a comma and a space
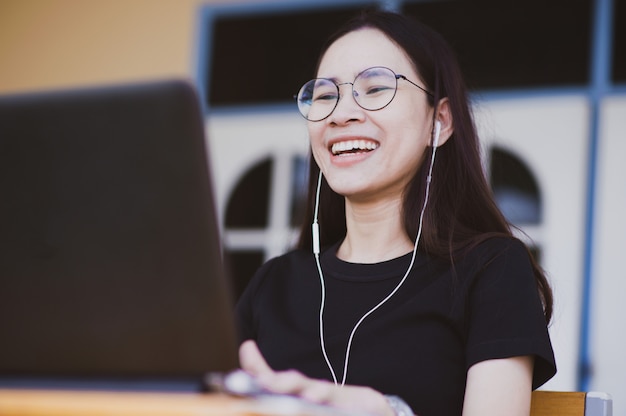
499, 387
317, 391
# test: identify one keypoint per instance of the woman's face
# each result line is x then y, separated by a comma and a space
391, 141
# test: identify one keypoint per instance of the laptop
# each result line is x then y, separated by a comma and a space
110, 260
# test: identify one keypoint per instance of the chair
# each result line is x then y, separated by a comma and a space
556, 403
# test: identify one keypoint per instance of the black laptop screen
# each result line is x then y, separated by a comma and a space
110, 262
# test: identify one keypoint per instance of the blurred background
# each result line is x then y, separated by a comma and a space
548, 83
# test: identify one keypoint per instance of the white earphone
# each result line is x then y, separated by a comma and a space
436, 133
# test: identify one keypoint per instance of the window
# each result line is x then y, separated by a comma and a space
513, 44
253, 231
619, 42
265, 58
516, 192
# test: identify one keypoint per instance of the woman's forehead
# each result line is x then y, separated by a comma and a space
361, 49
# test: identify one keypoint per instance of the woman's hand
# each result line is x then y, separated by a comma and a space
317, 391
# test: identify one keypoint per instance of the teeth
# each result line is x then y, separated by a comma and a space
352, 145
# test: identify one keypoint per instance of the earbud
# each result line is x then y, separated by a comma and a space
315, 228
436, 133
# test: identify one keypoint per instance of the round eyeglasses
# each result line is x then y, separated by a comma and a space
373, 89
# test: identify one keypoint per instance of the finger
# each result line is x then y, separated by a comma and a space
251, 359
320, 391
285, 382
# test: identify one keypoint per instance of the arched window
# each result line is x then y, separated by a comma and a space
515, 189
263, 214
516, 192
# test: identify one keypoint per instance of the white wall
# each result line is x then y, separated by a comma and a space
608, 326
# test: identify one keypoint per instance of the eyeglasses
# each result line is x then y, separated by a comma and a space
373, 89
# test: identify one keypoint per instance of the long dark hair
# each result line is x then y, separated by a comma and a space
461, 212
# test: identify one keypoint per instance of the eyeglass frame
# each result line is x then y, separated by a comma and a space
397, 77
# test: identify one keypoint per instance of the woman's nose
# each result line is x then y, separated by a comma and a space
347, 108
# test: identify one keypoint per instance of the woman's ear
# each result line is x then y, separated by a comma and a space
445, 127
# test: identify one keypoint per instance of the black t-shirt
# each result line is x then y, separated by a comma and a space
419, 344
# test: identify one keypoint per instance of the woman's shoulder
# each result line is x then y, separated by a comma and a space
278, 268
494, 245
497, 249
295, 258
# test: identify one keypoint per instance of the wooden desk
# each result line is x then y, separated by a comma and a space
101, 403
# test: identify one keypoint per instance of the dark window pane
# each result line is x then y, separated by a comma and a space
513, 44
619, 41
248, 205
265, 58
515, 188
242, 265
299, 185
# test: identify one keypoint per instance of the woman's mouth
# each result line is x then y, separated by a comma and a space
349, 147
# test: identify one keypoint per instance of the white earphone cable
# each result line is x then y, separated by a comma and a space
316, 251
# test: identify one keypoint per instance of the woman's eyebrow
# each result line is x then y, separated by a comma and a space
368, 72
333, 79
373, 72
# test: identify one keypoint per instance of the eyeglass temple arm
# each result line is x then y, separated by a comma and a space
406, 79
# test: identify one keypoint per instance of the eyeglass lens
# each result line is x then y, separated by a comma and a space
372, 89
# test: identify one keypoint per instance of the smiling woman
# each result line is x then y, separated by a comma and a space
398, 121
409, 293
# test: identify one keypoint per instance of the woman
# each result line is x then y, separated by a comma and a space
419, 300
